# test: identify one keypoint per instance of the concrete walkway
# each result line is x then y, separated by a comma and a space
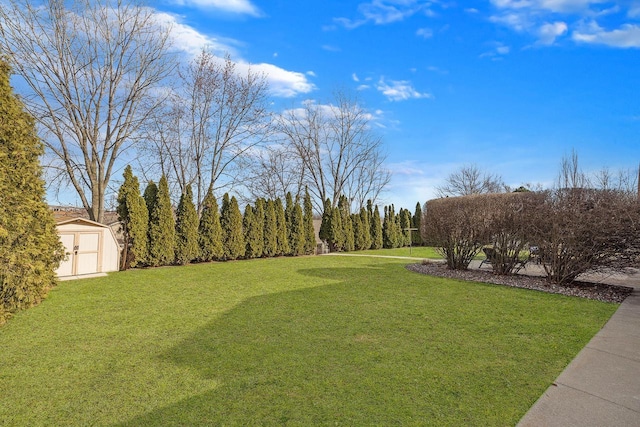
601, 386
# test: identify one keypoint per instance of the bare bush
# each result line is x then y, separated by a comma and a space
510, 217
458, 227
581, 230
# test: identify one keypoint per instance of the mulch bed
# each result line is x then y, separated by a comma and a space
595, 291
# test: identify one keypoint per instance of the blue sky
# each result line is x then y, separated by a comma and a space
509, 85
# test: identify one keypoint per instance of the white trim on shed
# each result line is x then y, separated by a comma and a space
91, 248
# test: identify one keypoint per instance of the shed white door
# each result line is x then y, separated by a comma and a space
83, 249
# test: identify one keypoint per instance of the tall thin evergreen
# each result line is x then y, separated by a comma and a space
270, 230
134, 217
387, 229
376, 230
405, 225
325, 226
150, 195
259, 215
358, 235
30, 249
347, 226
309, 231
281, 229
186, 249
254, 241
210, 230
416, 222
336, 232
232, 234
296, 234
161, 228
366, 228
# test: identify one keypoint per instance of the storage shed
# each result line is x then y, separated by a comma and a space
91, 248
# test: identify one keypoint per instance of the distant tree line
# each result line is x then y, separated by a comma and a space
366, 229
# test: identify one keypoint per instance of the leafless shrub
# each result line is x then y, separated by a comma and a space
468, 180
458, 227
581, 230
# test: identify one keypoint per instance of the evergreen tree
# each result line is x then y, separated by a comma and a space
161, 227
186, 249
405, 225
281, 229
270, 230
309, 231
259, 216
134, 217
296, 239
288, 214
347, 226
396, 234
30, 249
336, 231
358, 234
232, 234
254, 240
325, 226
210, 230
150, 195
366, 228
416, 223
376, 230
387, 229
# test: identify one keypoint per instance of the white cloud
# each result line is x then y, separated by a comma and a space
627, 36
282, 83
400, 90
382, 12
548, 32
244, 7
634, 11
425, 33
497, 52
354, 77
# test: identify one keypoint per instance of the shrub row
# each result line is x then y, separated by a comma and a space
155, 235
571, 231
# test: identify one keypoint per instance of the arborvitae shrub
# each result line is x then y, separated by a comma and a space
281, 229
309, 231
366, 228
210, 230
405, 225
232, 234
270, 230
254, 241
296, 235
150, 195
134, 217
347, 226
161, 227
376, 230
259, 215
416, 239
358, 234
336, 231
186, 249
325, 226
30, 249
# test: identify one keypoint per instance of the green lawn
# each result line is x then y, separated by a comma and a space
295, 341
415, 252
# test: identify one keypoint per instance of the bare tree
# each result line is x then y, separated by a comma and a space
272, 172
468, 180
338, 151
216, 116
89, 66
570, 175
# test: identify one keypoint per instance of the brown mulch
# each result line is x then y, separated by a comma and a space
595, 291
